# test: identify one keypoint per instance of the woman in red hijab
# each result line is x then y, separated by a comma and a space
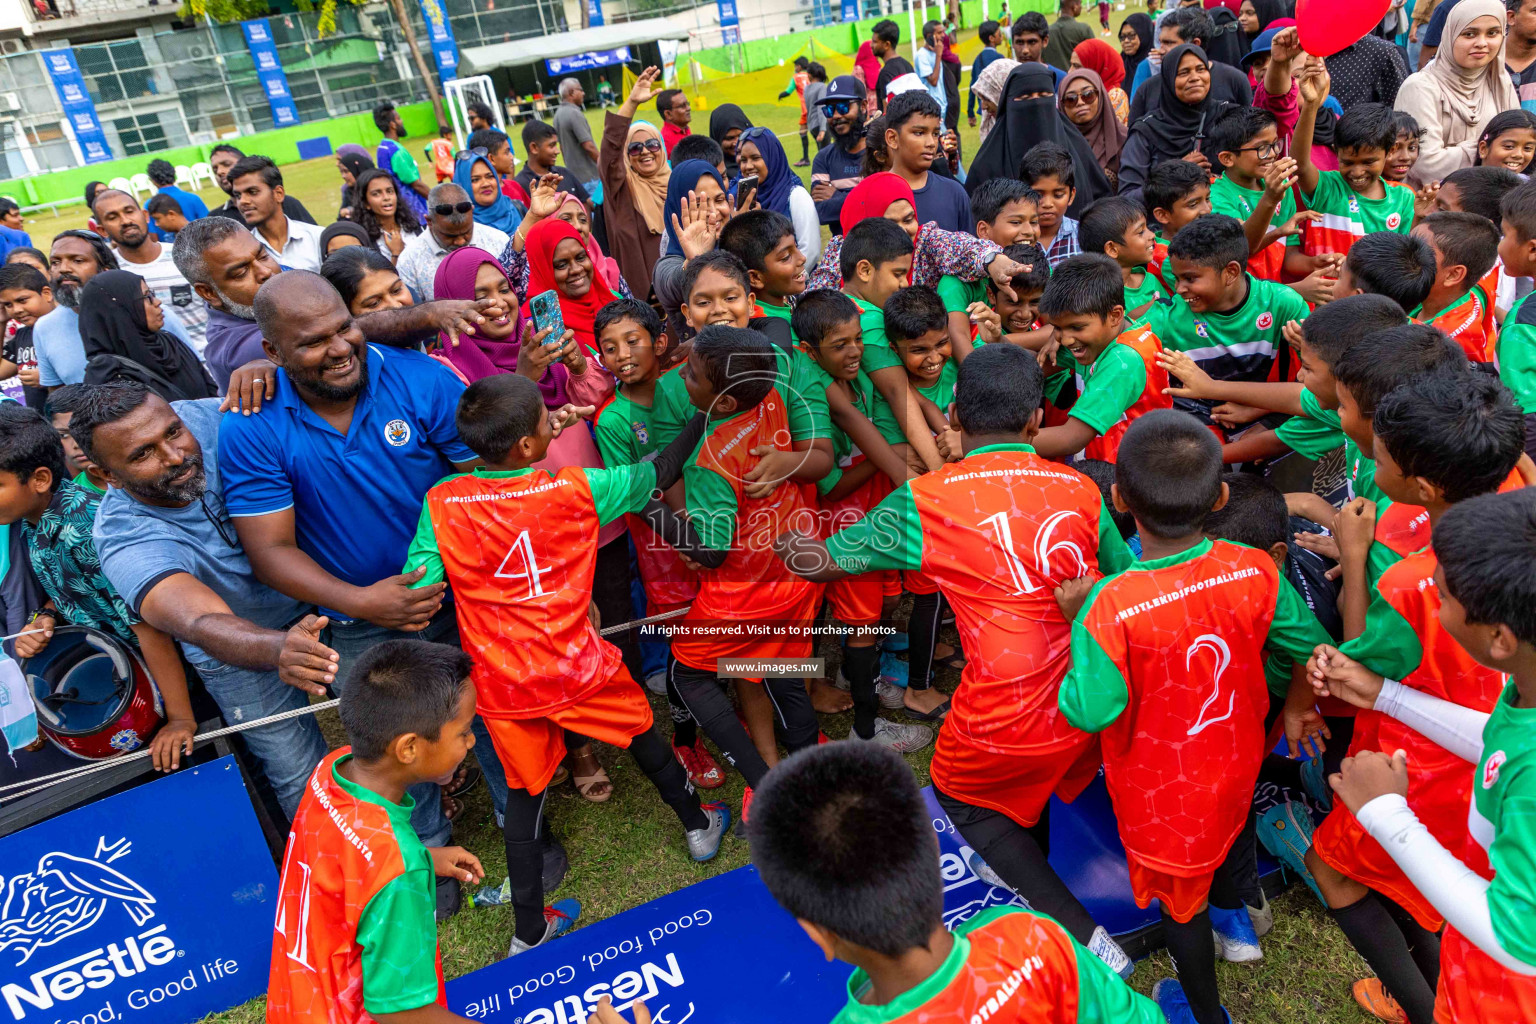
558, 260
1105, 61
938, 252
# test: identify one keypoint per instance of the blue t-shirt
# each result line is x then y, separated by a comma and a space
927, 60
944, 201
139, 545
192, 207
356, 497
60, 353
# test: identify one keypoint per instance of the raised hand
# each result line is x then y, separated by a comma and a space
691, 227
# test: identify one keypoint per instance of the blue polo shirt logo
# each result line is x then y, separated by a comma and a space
397, 432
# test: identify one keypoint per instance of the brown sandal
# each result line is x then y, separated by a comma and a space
594, 786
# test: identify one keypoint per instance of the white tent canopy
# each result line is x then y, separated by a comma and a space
476, 60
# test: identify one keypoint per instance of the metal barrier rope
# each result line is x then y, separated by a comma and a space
43, 782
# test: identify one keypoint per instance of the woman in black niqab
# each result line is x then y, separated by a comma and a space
120, 343
1026, 117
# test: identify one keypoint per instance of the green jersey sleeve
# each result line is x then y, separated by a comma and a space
1389, 644
670, 408
958, 295
1114, 554
1294, 629
889, 537
1110, 389
1102, 998
712, 506
805, 396
1516, 347
1512, 893
1094, 692
1315, 433
621, 489
614, 437
398, 936
423, 552
878, 353
1331, 194
403, 165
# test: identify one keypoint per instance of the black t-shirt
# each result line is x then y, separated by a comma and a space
893, 69
568, 183
20, 351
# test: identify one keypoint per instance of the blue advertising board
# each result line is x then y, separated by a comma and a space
79, 109
668, 952
594, 13
850, 10
586, 61
445, 49
269, 71
729, 32
120, 913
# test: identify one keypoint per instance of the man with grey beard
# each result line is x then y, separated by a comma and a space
166, 543
226, 264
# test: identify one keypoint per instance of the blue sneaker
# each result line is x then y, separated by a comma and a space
1236, 940
1315, 781
897, 643
704, 843
1169, 996
893, 671
559, 918
1285, 830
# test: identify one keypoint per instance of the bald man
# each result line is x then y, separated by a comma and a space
325, 484
450, 225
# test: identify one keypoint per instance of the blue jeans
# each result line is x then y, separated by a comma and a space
351, 639
287, 751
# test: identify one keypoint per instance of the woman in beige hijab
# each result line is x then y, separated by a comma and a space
1459, 92
989, 90
633, 163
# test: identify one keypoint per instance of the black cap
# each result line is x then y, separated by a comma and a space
843, 87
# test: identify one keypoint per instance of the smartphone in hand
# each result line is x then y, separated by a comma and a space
745, 187
546, 313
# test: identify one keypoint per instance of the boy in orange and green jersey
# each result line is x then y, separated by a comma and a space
355, 938
631, 344
518, 546
1006, 965
1117, 228
1466, 246
730, 375
1168, 667
764, 241
1006, 212
1444, 438
1517, 337
1487, 596
1118, 375
1355, 200
998, 531
1173, 198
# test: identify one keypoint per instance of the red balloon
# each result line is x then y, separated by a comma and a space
1328, 26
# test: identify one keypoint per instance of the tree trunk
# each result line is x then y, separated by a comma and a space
428, 75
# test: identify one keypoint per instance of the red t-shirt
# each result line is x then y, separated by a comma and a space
671, 135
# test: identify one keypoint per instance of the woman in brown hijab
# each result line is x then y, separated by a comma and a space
1085, 101
633, 164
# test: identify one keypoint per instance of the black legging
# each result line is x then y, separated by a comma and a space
1189, 943
705, 698
1019, 857
525, 814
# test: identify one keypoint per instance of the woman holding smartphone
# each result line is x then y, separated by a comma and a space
558, 261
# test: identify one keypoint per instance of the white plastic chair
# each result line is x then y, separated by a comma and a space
141, 183
122, 185
200, 171
184, 176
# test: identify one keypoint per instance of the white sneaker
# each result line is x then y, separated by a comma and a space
1101, 945
891, 697
894, 736
656, 682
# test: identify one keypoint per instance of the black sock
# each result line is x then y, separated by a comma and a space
859, 667
805, 147
1194, 957
685, 731
706, 700
525, 862
1423, 944
1377, 938
923, 629
653, 757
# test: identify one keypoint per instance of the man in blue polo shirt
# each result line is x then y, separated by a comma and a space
325, 485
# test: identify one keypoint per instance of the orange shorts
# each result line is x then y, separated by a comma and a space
857, 600
1349, 849
1017, 785
918, 582
1474, 989
530, 749
1182, 896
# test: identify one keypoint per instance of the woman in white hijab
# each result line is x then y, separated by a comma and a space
988, 88
1460, 91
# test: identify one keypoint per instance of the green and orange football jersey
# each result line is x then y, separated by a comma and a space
355, 934
999, 531
1469, 322
1009, 966
1168, 667
1124, 382
752, 587
519, 549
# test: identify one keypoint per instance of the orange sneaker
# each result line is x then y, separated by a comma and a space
746, 803
703, 770
1375, 1000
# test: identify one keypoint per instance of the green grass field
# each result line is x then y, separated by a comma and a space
630, 850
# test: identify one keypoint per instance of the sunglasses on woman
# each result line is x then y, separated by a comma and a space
641, 145
477, 151
1072, 99
449, 209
